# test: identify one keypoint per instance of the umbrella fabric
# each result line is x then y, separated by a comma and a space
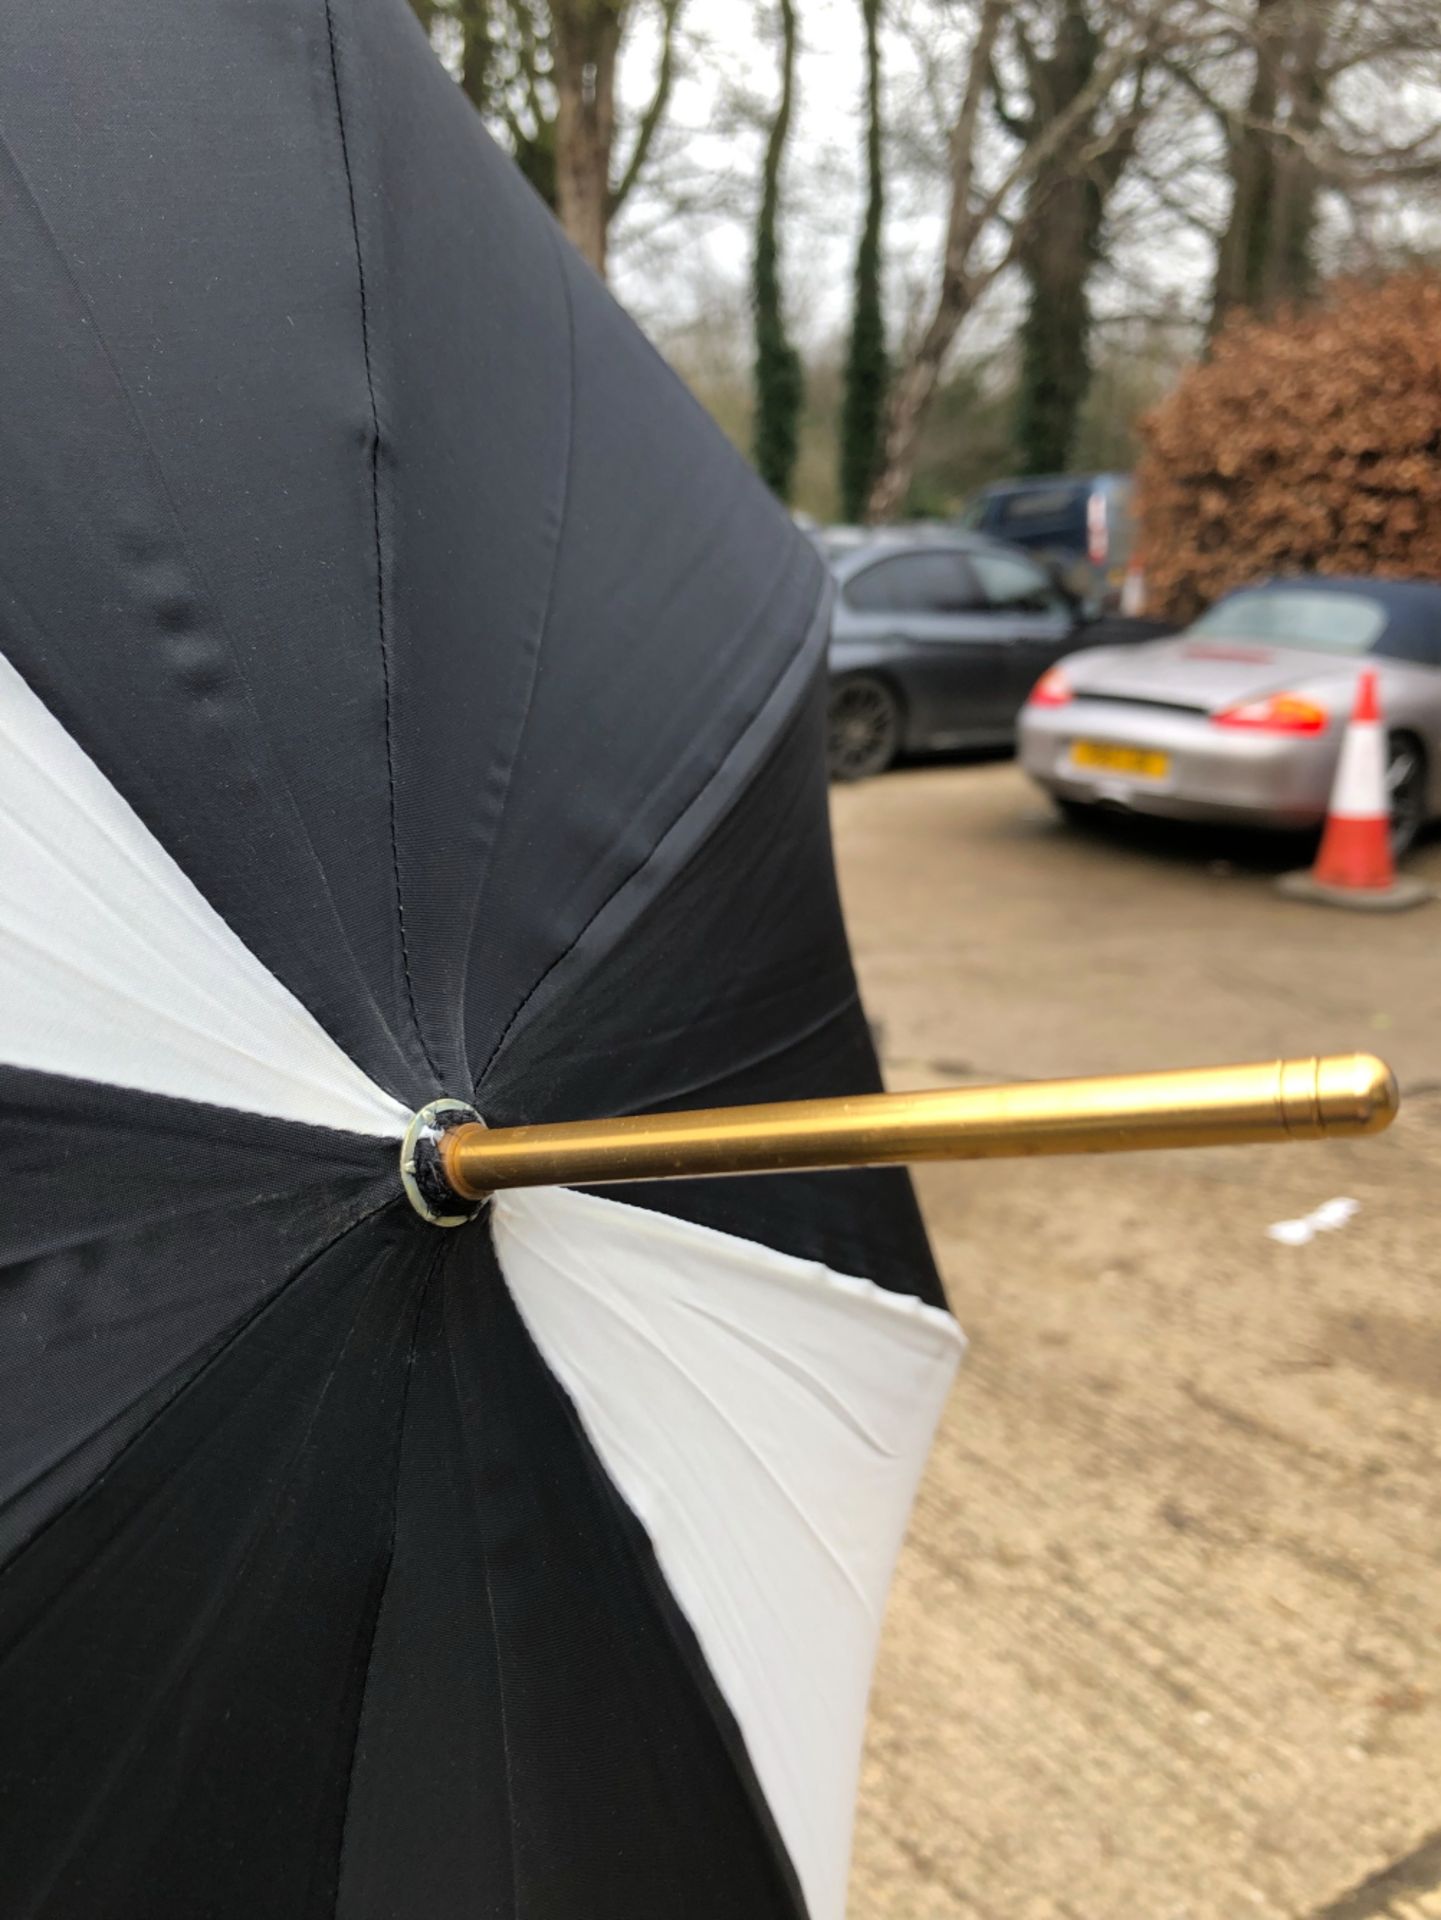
404, 693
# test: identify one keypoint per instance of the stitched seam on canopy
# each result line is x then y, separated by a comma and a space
513, 1906
641, 1330
380, 600
696, 800
760, 1056
61, 1241
423, 1295
639, 1550
180, 1105
543, 629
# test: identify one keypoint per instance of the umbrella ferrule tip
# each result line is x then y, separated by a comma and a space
422, 1170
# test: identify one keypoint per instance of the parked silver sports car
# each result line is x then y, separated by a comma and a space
1240, 717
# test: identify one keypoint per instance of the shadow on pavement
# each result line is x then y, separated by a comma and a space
1179, 843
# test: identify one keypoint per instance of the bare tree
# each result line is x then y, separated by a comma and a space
987, 220
1312, 99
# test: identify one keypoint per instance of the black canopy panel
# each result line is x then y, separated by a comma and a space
404, 692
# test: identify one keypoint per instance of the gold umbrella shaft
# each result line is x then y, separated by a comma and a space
1201, 1107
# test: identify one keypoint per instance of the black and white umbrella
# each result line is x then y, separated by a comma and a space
405, 694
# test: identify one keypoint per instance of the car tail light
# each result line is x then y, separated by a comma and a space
1053, 689
1276, 713
1098, 530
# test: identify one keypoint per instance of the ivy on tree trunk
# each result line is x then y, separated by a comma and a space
1059, 240
1055, 371
778, 387
865, 389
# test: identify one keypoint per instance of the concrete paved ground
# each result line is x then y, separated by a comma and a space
1166, 1640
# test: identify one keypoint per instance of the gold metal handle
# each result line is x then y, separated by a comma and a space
1312, 1099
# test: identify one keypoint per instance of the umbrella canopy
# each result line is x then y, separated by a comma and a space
404, 693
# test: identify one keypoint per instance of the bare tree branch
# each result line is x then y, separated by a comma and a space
655, 110
982, 238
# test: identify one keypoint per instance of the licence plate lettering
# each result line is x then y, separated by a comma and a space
1141, 763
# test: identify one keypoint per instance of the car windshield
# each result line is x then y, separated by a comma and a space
1292, 617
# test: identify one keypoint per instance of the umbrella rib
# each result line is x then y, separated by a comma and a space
642, 1332
761, 1056
151, 460
458, 1403
543, 628
225, 1341
187, 900
803, 1376
422, 1295
796, 666
381, 603
159, 1013
137, 928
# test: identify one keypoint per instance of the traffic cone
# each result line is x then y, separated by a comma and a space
1354, 867
1133, 589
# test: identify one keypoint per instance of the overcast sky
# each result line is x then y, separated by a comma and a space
729, 67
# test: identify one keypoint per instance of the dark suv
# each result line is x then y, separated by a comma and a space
1080, 522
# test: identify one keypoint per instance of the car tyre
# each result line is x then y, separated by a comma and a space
1405, 790
863, 727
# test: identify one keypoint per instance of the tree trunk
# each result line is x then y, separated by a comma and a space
1293, 265
778, 367
585, 39
1060, 243
1264, 258
911, 395
1058, 259
865, 391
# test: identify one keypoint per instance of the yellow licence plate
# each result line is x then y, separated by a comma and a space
1142, 763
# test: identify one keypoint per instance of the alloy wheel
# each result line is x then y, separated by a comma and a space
863, 729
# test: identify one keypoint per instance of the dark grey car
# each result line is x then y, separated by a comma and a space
936, 640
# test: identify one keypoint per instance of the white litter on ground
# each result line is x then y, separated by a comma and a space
1326, 1218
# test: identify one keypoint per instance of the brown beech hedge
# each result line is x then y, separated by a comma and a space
1310, 443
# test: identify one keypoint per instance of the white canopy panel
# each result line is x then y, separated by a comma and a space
113, 966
